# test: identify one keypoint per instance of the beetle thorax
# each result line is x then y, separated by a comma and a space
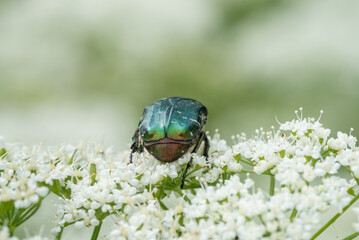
169, 127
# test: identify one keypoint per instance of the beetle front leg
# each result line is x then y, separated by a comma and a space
203, 137
206, 146
136, 144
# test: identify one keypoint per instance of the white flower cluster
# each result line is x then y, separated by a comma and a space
304, 164
107, 184
20, 179
147, 222
220, 199
233, 209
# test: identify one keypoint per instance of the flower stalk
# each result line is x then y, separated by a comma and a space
272, 185
334, 218
352, 236
96, 231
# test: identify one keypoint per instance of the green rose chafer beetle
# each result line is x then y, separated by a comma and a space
169, 128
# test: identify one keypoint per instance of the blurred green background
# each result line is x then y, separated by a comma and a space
72, 70
77, 70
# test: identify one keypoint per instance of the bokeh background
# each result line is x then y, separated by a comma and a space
77, 70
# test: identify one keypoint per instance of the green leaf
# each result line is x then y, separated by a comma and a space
351, 191
6, 206
56, 187
282, 153
93, 173
158, 194
2, 152
314, 162
139, 228
66, 192
238, 157
197, 167
294, 213
308, 132
180, 221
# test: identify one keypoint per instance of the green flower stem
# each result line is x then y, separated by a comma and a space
187, 199
261, 220
252, 172
16, 217
11, 229
59, 234
272, 185
246, 162
27, 214
179, 191
333, 219
96, 231
162, 205
351, 173
352, 236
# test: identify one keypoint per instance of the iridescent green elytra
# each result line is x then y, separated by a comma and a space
169, 127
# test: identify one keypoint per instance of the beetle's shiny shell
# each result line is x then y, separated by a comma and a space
170, 126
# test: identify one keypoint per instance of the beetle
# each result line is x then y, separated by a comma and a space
169, 128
